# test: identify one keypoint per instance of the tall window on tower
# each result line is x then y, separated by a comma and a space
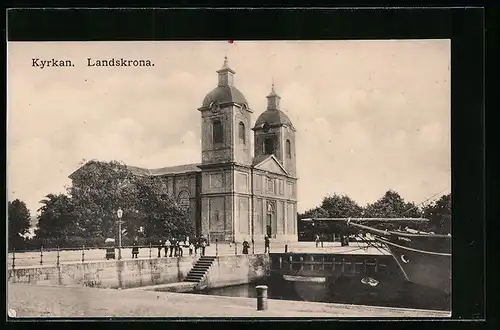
241, 133
217, 131
269, 146
288, 149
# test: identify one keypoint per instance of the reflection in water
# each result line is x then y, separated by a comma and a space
347, 290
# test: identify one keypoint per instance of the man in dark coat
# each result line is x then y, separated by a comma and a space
246, 246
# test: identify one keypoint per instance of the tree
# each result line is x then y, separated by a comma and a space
439, 215
101, 188
56, 219
341, 206
333, 206
392, 205
163, 216
18, 223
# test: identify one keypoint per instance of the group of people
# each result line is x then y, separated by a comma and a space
175, 248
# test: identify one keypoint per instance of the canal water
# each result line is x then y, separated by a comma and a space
345, 290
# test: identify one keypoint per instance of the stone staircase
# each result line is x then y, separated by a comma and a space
200, 269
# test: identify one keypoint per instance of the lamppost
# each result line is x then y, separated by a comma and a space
119, 213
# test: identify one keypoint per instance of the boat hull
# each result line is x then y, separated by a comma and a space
426, 268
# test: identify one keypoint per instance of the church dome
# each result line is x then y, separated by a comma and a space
224, 94
273, 117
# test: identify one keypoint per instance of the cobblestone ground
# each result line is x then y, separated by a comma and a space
50, 301
49, 258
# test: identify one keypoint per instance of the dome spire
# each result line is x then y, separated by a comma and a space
226, 74
273, 99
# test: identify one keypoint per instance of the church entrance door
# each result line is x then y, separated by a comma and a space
269, 227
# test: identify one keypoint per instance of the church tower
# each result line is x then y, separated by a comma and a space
275, 135
226, 120
226, 159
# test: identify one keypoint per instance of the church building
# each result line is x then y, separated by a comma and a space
237, 193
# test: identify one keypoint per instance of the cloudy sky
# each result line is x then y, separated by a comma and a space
370, 115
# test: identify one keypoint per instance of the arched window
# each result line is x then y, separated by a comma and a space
269, 146
241, 133
183, 199
217, 132
288, 149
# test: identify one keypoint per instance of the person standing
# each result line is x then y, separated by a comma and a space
316, 239
191, 248
167, 246
135, 250
172, 247
180, 251
246, 246
266, 244
203, 246
160, 246
196, 245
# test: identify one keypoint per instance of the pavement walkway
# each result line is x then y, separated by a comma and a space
53, 301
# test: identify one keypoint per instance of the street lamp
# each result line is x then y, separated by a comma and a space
119, 213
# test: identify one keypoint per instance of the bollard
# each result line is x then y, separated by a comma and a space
253, 246
216, 247
83, 253
235, 248
150, 250
13, 258
41, 255
57, 256
286, 248
261, 297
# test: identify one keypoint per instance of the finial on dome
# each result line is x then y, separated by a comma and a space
225, 67
273, 99
273, 91
226, 74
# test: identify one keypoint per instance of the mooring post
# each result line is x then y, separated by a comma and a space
41, 254
290, 264
216, 247
57, 262
235, 248
261, 297
13, 258
150, 247
253, 246
83, 253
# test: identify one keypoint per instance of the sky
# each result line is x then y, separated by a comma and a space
370, 115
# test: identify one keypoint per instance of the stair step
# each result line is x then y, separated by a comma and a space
195, 275
201, 267
191, 280
197, 279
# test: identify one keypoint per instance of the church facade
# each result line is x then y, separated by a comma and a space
238, 192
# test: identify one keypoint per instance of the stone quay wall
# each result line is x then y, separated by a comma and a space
234, 270
107, 274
